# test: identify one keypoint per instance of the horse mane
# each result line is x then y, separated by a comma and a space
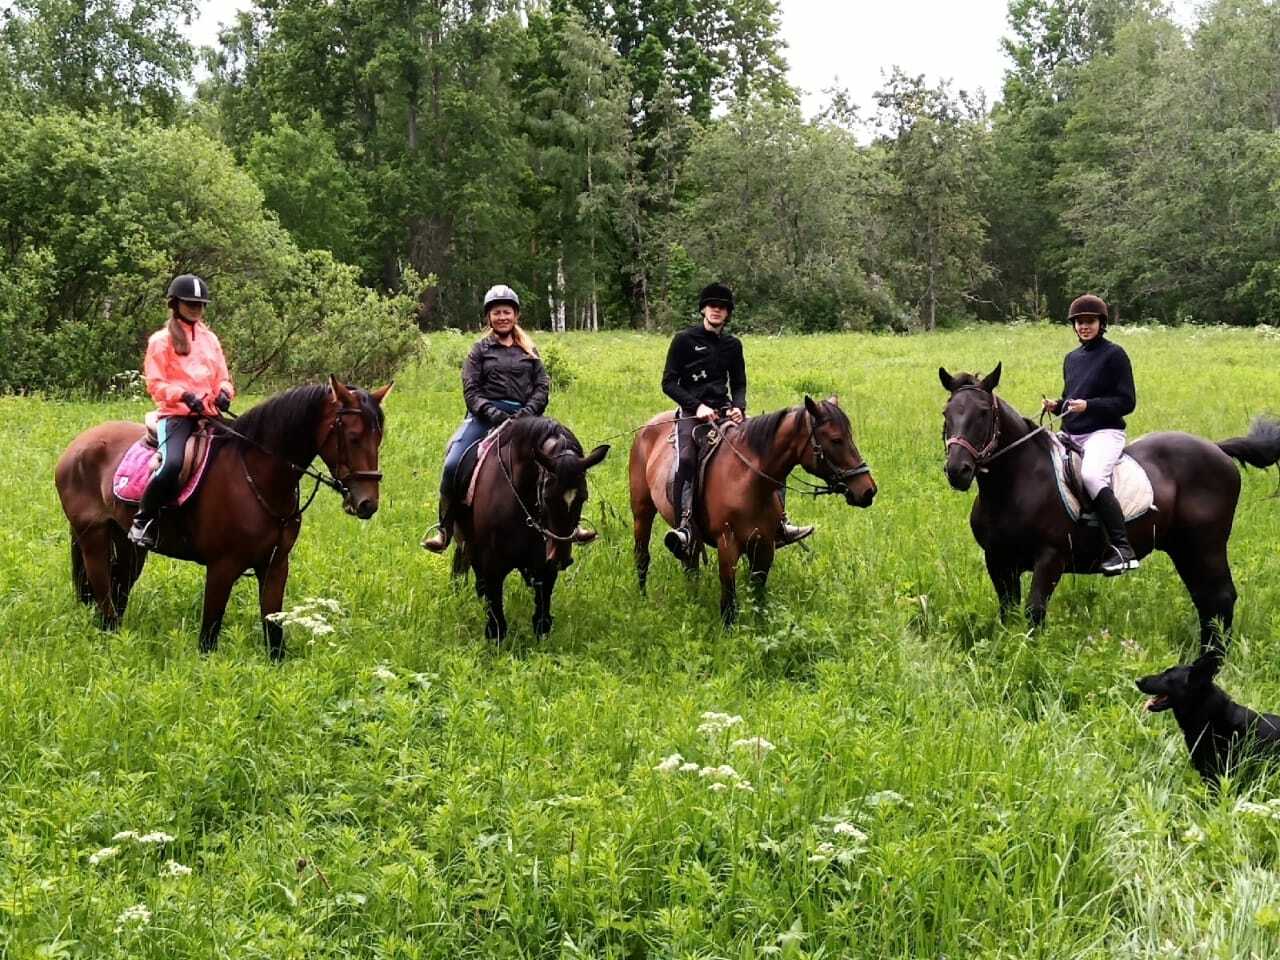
528, 434
763, 429
274, 422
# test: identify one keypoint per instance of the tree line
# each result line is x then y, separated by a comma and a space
347, 172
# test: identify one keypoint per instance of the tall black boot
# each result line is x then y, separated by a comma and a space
680, 540
1120, 557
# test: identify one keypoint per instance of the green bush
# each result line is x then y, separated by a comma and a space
100, 215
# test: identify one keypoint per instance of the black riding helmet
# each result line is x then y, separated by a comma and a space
188, 287
716, 295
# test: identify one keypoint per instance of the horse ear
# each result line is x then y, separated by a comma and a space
948, 381
834, 400
339, 392
991, 380
381, 393
812, 408
595, 456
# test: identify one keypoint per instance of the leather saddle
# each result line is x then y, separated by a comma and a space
142, 460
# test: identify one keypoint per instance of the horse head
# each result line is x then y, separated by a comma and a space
351, 432
562, 488
970, 423
833, 455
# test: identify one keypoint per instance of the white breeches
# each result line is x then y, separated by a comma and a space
1102, 451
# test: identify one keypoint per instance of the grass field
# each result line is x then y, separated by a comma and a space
939, 785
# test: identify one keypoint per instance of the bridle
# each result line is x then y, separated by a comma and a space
987, 452
544, 480
336, 483
833, 475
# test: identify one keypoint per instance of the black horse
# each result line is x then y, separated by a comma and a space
529, 494
1020, 523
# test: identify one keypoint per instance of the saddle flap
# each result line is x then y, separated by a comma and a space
1129, 482
141, 461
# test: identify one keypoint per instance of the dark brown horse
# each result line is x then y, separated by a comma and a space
529, 494
246, 514
739, 508
1020, 523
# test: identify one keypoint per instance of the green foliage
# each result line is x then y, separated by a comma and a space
939, 783
100, 215
560, 368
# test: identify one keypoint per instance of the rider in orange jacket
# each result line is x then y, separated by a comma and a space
187, 377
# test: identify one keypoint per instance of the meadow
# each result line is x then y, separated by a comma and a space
871, 767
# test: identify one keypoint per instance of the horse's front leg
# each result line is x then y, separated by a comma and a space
1048, 570
543, 585
729, 552
271, 582
1007, 580
218, 580
490, 588
760, 554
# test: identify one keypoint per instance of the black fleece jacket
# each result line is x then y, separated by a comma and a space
705, 367
1099, 373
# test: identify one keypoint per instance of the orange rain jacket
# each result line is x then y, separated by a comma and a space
203, 371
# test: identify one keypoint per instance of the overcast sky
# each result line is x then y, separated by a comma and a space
852, 43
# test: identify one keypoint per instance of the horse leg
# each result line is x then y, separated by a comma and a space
490, 590
1048, 570
79, 575
760, 553
1008, 583
643, 513
271, 580
126, 567
1207, 577
542, 588
218, 580
95, 552
729, 553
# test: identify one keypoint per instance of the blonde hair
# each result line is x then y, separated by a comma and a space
522, 339
177, 332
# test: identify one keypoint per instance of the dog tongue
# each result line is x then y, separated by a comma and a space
1156, 702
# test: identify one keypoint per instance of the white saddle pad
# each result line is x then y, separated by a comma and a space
1129, 482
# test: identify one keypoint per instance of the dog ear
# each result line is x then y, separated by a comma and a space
1206, 667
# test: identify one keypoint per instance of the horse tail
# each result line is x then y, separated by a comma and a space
1261, 448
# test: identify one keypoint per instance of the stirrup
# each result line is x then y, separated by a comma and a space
438, 541
143, 534
1118, 563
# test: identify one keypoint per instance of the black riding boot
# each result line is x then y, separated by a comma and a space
680, 540
1120, 556
439, 541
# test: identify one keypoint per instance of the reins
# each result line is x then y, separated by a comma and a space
819, 458
990, 451
529, 519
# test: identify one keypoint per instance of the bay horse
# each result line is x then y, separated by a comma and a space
247, 512
528, 500
738, 506
1019, 521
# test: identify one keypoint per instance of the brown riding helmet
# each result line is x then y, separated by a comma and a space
1088, 305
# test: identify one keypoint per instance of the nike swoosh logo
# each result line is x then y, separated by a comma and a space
696, 347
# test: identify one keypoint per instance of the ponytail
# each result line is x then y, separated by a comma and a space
523, 340
177, 331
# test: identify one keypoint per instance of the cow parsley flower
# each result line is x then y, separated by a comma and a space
173, 868
846, 829
157, 837
716, 723
757, 745
671, 764
125, 835
136, 916
106, 853
384, 673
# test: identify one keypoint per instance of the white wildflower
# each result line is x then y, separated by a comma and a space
384, 673
718, 786
157, 836
173, 868
822, 852
845, 829
757, 745
671, 764
1269, 809
1193, 834
884, 798
714, 723
106, 853
689, 767
745, 785
722, 772
136, 916
125, 835
324, 603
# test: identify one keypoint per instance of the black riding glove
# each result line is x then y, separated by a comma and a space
523, 412
194, 403
223, 402
495, 414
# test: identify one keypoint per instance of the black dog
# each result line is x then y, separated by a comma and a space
1218, 731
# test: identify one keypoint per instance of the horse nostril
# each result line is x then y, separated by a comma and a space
366, 509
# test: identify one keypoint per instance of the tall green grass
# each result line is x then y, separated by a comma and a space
939, 785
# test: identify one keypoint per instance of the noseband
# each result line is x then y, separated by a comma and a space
979, 456
833, 473
344, 453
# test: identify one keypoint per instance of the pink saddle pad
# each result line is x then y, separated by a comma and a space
482, 454
138, 466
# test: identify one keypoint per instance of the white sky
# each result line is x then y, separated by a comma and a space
851, 43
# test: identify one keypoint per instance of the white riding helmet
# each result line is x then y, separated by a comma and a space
501, 293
